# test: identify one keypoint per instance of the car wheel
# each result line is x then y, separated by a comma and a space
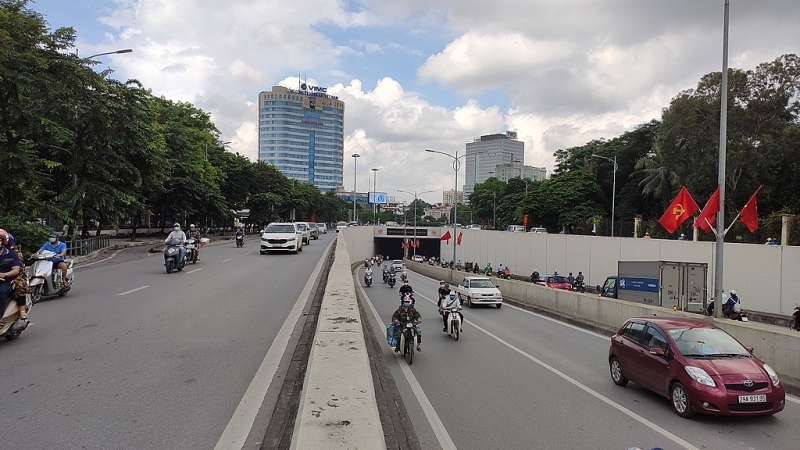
499, 305
616, 372
680, 401
299, 249
263, 252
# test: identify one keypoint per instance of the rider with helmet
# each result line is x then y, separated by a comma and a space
179, 236
729, 307
405, 312
60, 249
407, 289
10, 267
193, 233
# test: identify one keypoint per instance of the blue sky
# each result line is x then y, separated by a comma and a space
435, 74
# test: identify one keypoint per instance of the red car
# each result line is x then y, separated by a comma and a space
699, 367
556, 282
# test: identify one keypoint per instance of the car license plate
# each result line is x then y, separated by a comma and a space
752, 399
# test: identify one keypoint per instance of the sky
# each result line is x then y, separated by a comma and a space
435, 74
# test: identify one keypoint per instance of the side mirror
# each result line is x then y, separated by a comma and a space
657, 352
749, 349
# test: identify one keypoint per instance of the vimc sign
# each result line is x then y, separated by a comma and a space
309, 88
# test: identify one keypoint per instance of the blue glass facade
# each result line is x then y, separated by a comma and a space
302, 134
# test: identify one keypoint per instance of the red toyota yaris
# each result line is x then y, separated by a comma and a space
696, 365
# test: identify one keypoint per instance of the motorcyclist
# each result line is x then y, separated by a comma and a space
507, 273
570, 279
535, 276
177, 235
579, 278
458, 265
404, 312
445, 304
367, 271
407, 289
500, 270
193, 233
60, 249
10, 267
729, 307
444, 291
488, 269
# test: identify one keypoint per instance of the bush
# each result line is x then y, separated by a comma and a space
29, 236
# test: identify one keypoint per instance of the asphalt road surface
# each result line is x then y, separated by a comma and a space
135, 358
518, 380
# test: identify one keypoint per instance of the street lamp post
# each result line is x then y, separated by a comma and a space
355, 156
456, 165
613, 188
124, 50
494, 210
415, 194
375, 194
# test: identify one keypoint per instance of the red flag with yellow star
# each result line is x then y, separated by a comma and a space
679, 210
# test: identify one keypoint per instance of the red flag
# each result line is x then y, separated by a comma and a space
679, 210
460, 236
708, 216
446, 237
403, 244
525, 221
416, 244
749, 214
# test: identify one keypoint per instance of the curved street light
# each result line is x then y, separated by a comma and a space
415, 194
613, 188
124, 50
456, 165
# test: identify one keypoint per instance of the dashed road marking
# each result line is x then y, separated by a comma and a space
133, 290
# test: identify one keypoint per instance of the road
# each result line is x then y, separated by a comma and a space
135, 358
518, 380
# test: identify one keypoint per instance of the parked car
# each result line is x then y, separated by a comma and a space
479, 291
417, 258
538, 230
555, 282
305, 233
313, 230
516, 228
699, 367
322, 228
340, 226
281, 237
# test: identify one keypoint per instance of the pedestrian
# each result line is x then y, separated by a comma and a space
647, 235
65, 230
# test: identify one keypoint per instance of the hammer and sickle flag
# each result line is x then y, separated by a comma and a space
679, 210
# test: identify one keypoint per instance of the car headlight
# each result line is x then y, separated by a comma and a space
700, 375
773, 376
291, 239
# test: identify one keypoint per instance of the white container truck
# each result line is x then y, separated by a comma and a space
669, 284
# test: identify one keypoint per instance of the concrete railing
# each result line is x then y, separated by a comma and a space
780, 348
338, 407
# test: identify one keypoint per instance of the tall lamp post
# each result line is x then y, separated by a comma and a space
415, 194
456, 165
124, 50
613, 188
355, 156
723, 133
375, 194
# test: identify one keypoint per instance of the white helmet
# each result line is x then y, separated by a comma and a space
733, 292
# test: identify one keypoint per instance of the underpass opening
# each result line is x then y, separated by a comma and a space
392, 247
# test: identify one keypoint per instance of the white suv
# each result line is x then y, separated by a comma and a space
281, 237
305, 232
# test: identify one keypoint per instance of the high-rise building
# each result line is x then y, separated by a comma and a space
485, 153
505, 172
301, 132
450, 197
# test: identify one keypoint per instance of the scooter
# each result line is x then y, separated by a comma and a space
578, 286
191, 251
385, 274
172, 256
13, 324
794, 324
45, 278
408, 339
404, 276
240, 240
392, 280
368, 279
453, 317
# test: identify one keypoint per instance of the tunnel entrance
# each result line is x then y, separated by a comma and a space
392, 247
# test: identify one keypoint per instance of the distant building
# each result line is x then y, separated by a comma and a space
301, 132
450, 197
485, 153
505, 172
438, 211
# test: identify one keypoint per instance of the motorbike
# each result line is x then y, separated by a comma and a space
404, 276
385, 275
191, 251
45, 278
794, 324
13, 324
578, 286
408, 339
172, 256
368, 279
453, 319
239, 240
392, 280
737, 314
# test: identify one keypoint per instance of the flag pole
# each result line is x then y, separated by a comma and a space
723, 136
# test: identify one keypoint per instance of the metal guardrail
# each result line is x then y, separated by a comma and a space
84, 246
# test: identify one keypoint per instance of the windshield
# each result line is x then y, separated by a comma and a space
301, 226
481, 284
280, 229
558, 279
397, 262
706, 342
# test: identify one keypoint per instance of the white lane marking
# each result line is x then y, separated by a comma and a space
226, 260
98, 262
133, 290
235, 434
430, 413
195, 270
248, 253
793, 399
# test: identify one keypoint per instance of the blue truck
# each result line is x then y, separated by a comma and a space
682, 285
